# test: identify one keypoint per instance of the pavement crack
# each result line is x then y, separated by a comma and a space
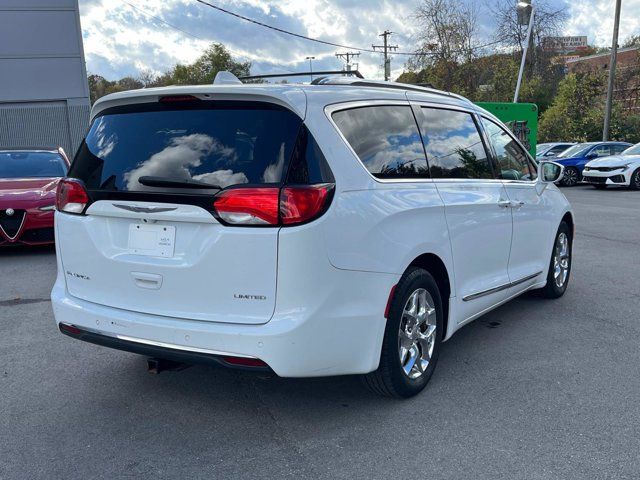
602, 237
280, 435
22, 301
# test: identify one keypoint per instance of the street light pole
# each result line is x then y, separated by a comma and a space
311, 59
612, 73
524, 5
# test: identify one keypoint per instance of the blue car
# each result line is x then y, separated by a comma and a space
575, 158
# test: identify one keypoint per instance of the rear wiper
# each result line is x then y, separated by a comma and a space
170, 183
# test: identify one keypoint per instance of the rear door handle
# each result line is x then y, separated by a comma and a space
509, 204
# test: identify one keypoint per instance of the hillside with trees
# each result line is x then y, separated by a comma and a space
451, 57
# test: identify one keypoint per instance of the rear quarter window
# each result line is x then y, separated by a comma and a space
386, 139
221, 143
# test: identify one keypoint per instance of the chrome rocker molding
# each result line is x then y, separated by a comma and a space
500, 288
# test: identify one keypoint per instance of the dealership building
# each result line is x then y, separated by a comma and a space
627, 84
44, 95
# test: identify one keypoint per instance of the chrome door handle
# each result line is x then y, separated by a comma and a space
517, 204
504, 203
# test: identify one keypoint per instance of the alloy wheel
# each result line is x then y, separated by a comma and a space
570, 177
417, 335
561, 260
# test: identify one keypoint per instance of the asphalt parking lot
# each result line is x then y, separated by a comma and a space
534, 390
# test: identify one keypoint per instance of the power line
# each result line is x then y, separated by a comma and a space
286, 32
324, 42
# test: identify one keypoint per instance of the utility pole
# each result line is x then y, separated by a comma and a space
386, 48
311, 59
347, 57
612, 73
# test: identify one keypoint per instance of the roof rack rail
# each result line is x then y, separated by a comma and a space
424, 88
304, 74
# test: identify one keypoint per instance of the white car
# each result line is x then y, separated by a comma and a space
622, 170
550, 150
343, 227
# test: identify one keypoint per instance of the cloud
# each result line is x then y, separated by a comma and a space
180, 157
122, 37
595, 19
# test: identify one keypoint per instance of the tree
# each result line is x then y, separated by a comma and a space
548, 21
447, 31
632, 41
577, 113
203, 71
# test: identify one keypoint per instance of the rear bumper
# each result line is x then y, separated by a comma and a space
152, 349
340, 335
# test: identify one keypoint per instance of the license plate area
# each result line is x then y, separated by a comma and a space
152, 240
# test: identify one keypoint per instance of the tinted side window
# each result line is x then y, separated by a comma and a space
386, 139
453, 144
513, 163
308, 164
616, 149
602, 150
558, 149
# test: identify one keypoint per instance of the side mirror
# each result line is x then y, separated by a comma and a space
592, 155
550, 172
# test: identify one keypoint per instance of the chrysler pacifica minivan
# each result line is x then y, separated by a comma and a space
342, 227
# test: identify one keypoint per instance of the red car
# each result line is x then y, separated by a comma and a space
28, 180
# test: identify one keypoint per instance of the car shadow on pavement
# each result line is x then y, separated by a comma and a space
18, 250
208, 387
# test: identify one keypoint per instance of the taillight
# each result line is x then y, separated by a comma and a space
301, 204
248, 206
71, 196
272, 206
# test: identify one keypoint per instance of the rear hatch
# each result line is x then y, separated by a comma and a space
150, 240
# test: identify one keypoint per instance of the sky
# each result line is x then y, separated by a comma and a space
127, 37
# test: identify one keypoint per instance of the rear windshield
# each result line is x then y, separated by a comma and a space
221, 144
31, 165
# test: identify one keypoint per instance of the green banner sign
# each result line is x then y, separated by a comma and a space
521, 118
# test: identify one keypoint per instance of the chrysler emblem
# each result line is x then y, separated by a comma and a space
135, 209
9, 211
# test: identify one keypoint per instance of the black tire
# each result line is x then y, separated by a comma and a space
552, 289
635, 180
571, 177
600, 187
390, 379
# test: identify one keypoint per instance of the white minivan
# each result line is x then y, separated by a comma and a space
342, 227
